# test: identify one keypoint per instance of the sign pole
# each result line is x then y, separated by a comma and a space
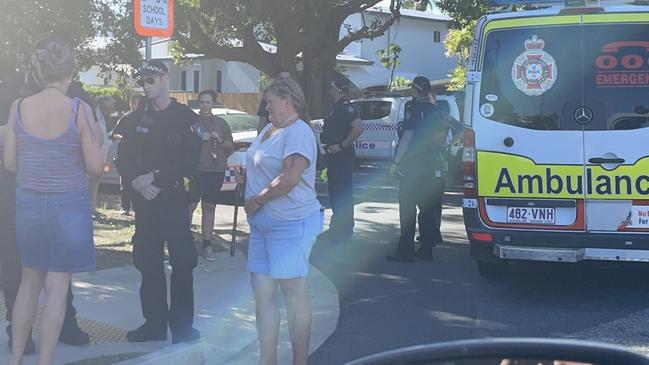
148, 49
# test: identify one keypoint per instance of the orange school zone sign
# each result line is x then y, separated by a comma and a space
154, 18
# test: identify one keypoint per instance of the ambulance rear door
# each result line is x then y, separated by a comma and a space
615, 112
529, 149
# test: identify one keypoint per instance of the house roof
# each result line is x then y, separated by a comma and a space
426, 15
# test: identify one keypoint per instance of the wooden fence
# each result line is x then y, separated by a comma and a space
247, 102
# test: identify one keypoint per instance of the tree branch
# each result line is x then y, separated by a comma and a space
365, 32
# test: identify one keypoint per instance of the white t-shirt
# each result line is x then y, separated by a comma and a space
264, 163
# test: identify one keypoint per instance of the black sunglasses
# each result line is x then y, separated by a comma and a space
148, 80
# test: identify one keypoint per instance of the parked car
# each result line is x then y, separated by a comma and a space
381, 117
244, 131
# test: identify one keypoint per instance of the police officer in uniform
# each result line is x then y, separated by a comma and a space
420, 166
342, 126
158, 154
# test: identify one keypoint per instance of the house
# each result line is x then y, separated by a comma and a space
420, 34
421, 38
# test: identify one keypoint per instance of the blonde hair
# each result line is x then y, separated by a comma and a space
287, 88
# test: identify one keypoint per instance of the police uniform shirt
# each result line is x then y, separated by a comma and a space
424, 119
338, 123
165, 142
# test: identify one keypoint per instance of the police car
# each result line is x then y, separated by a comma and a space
556, 160
381, 117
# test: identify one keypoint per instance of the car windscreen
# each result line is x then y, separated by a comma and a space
241, 122
373, 109
530, 75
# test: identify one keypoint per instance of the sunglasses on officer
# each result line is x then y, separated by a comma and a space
146, 80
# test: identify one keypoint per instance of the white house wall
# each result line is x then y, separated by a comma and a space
420, 55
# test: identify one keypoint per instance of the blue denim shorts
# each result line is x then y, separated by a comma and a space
54, 231
281, 249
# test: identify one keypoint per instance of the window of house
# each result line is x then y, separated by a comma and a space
219, 81
183, 80
437, 36
197, 81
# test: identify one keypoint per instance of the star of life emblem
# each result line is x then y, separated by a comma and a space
534, 71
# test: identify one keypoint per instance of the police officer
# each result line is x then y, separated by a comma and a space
420, 165
341, 128
159, 152
24, 85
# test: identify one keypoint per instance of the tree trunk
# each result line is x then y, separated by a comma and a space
318, 72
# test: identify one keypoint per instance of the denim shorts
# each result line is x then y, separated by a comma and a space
281, 249
54, 231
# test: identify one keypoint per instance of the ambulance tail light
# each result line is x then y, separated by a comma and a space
468, 162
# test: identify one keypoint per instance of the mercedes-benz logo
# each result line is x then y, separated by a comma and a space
583, 115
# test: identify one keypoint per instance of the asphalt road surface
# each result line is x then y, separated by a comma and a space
387, 305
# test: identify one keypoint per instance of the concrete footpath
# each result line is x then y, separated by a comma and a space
108, 304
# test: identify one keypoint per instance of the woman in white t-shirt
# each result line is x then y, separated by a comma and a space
284, 216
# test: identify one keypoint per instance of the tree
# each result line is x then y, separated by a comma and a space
463, 12
458, 44
23, 23
389, 58
416, 5
306, 34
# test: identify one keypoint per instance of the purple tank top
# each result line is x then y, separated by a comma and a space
50, 165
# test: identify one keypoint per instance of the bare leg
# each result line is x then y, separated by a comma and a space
207, 220
299, 318
56, 294
267, 317
24, 311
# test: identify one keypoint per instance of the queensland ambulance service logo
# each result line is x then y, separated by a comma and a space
534, 71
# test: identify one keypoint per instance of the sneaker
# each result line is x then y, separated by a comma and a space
30, 346
188, 336
146, 333
74, 336
398, 258
425, 255
208, 254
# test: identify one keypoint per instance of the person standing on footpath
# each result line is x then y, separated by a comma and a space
285, 218
52, 146
342, 126
419, 164
217, 146
24, 85
157, 156
105, 107
116, 134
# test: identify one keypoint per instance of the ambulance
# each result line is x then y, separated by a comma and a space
556, 143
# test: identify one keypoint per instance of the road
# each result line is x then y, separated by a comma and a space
387, 305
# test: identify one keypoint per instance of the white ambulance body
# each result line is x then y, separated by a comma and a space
381, 117
556, 154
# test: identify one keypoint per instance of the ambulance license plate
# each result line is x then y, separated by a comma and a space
531, 215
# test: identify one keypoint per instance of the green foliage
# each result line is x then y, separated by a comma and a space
389, 58
400, 82
463, 12
264, 81
23, 23
458, 44
122, 95
416, 4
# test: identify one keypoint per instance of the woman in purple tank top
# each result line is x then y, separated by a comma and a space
52, 148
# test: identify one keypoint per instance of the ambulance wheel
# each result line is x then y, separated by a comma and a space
490, 270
